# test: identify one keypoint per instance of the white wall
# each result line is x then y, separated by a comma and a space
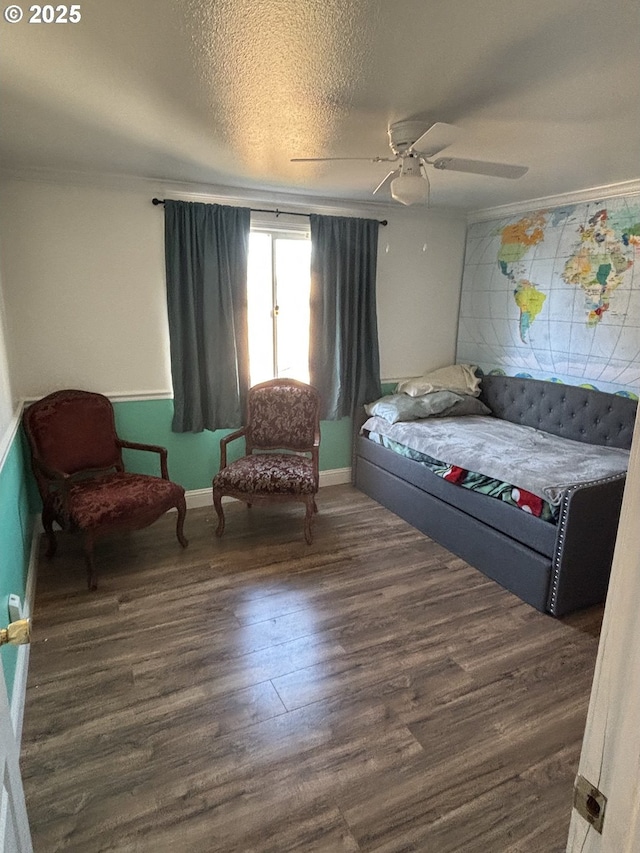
84, 280
83, 272
420, 263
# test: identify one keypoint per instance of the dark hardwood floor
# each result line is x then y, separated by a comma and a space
370, 692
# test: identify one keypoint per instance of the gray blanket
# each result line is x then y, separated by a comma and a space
537, 461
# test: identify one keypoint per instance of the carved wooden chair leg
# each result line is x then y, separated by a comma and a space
315, 505
217, 502
308, 518
92, 580
47, 523
182, 512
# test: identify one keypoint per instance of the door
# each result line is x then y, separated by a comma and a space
610, 759
14, 826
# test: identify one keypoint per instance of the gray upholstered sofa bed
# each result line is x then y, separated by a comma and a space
556, 568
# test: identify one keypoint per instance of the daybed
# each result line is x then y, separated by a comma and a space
556, 566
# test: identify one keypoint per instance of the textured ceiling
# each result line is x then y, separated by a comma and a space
224, 93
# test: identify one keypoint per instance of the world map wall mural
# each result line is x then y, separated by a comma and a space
555, 294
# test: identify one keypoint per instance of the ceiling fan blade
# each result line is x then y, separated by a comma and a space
480, 167
386, 181
438, 137
323, 159
332, 159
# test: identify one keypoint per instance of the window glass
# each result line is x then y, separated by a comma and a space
278, 305
260, 307
292, 307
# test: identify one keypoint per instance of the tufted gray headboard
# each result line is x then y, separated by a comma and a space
566, 410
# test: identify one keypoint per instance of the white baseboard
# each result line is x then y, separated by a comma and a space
334, 477
199, 497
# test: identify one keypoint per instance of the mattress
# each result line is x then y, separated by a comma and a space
485, 454
508, 493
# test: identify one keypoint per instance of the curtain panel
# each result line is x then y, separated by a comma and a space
206, 251
344, 361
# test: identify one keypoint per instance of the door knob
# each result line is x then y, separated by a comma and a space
17, 633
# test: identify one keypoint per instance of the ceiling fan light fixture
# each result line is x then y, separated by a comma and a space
410, 189
414, 149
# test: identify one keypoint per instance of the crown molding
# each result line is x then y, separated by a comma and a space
620, 190
300, 203
212, 193
217, 194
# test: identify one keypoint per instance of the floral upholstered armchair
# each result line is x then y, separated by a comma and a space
282, 440
77, 462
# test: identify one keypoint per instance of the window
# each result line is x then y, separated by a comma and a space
278, 289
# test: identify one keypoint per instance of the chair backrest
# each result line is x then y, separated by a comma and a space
72, 431
282, 413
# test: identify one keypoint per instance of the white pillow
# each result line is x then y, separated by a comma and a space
459, 378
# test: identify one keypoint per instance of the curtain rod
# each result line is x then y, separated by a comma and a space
277, 212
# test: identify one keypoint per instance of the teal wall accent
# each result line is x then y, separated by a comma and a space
16, 528
194, 458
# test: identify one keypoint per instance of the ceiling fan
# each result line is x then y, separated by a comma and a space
414, 149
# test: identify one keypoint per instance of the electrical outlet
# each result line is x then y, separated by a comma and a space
589, 802
15, 608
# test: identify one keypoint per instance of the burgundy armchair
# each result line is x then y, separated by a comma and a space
77, 462
283, 415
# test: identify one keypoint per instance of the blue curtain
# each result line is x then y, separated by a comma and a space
344, 362
206, 250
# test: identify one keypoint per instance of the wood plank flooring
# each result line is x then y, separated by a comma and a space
370, 692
